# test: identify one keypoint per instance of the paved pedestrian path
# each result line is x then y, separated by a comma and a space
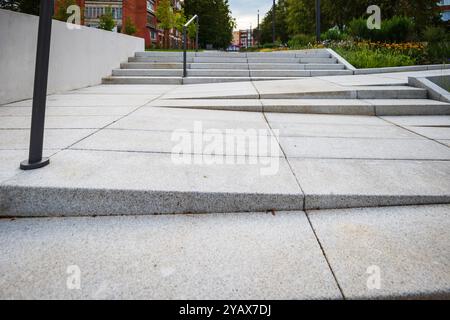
396, 252
112, 153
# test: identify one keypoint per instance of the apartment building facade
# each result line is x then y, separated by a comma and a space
142, 13
444, 7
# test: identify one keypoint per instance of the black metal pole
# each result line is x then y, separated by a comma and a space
184, 52
35, 159
273, 23
258, 33
318, 20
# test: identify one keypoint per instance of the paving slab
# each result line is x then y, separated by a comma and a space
168, 142
69, 111
299, 87
364, 148
364, 80
210, 104
419, 120
113, 183
169, 119
11, 160
436, 133
325, 119
337, 183
408, 107
447, 142
407, 247
91, 100
126, 89
53, 138
231, 90
291, 129
58, 122
233, 256
318, 106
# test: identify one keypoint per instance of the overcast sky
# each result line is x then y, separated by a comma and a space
245, 11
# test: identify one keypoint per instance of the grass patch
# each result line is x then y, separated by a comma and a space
364, 58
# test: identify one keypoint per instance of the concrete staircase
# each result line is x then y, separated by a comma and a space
307, 96
211, 67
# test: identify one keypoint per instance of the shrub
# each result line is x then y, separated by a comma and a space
300, 41
396, 29
107, 21
439, 52
333, 34
435, 34
130, 27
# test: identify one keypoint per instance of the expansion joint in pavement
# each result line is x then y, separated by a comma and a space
325, 255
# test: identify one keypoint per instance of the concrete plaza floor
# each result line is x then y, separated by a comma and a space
111, 147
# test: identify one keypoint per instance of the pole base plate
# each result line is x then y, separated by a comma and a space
26, 165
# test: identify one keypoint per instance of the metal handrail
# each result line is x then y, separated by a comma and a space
185, 43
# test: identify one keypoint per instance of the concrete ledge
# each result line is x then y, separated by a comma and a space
435, 92
21, 201
401, 69
341, 60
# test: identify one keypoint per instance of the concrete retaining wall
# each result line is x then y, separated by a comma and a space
78, 58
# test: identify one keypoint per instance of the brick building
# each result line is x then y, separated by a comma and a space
141, 12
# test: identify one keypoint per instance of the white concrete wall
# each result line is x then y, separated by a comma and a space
78, 58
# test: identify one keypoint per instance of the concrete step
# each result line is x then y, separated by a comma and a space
315, 106
142, 80
148, 72
283, 54
218, 73
219, 60
318, 60
391, 92
152, 65
267, 66
88, 181
298, 73
240, 66
165, 59
200, 80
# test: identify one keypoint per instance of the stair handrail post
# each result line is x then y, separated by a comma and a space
196, 34
35, 159
184, 52
185, 43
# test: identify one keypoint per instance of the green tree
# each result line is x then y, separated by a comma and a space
216, 23
281, 24
167, 20
106, 20
24, 6
130, 27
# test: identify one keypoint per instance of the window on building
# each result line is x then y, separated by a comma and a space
150, 6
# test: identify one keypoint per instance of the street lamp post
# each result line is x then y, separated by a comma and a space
273, 22
35, 159
318, 20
